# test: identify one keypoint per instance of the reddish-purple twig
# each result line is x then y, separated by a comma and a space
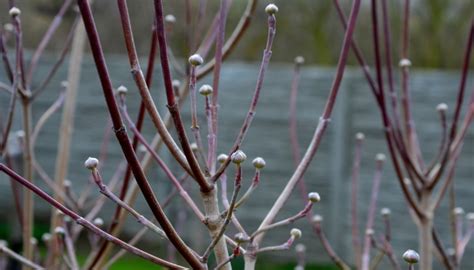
83, 222
123, 139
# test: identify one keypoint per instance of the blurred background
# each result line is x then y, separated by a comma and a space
307, 28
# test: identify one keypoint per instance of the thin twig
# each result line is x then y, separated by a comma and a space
327, 246
87, 224
303, 213
140, 218
230, 212
124, 141
267, 53
18, 257
324, 121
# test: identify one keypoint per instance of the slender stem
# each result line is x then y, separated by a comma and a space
5, 60
231, 257
55, 106
316, 140
164, 167
371, 214
70, 249
459, 102
293, 128
143, 231
140, 218
171, 102
226, 204
354, 199
62, 56
115, 223
327, 246
12, 254
124, 141
85, 223
212, 149
194, 119
285, 246
228, 217
234, 38
303, 213
46, 38
267, 53
143, 88
9, 121
250, 190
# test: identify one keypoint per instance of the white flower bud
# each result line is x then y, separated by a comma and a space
458, 211
380, 157
411, 256
238, 157
8, 27
20, 134
317, 219
142, 148
170, 18
385, 212
407, 181
91, 163
3, 243
299, 60
122, 90
176, 83
194, 146
360, 136
404, 63
314, 197
450, 251
300, 248
295, 233
206, 90
46, 237
369, 232
64, 84
196, 60
271, 9
222, 158
98, 222
470, 217
14, 11
240, 238
67, 183
259, 163
67, 219
442, 107
59, 230
33, 241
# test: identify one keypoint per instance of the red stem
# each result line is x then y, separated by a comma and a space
171, 102
123, 138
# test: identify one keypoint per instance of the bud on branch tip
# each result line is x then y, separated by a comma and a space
91, 163
271, 9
